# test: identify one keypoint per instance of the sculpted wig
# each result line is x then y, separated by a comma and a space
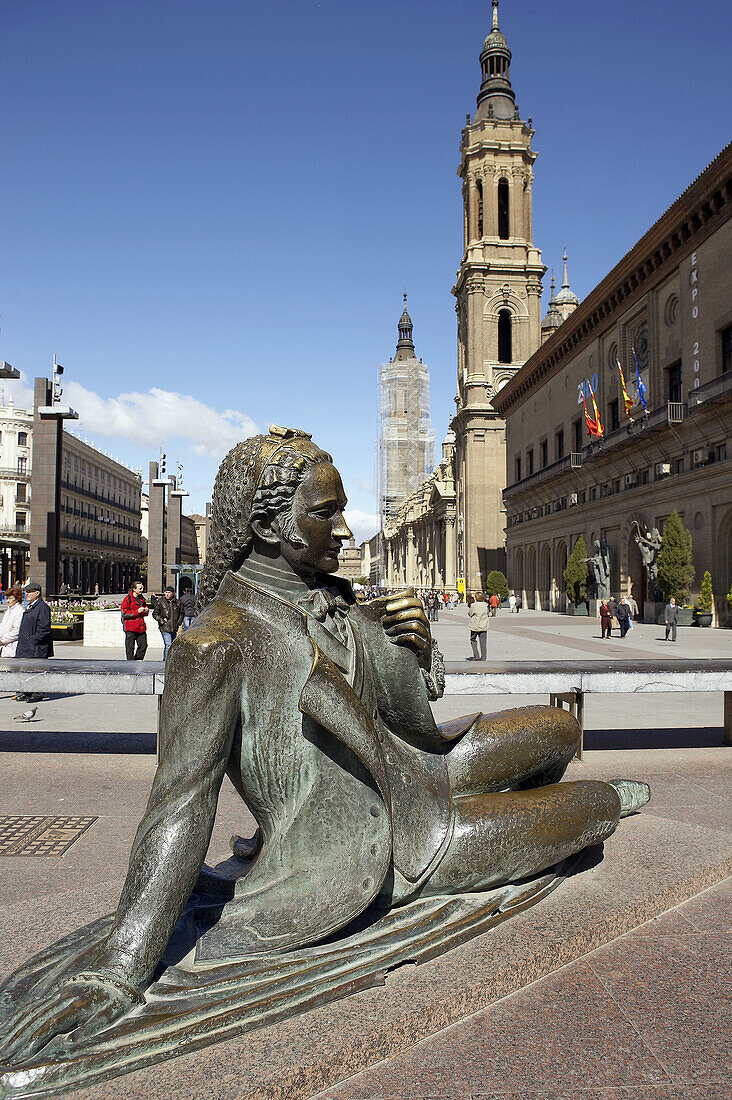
258, 477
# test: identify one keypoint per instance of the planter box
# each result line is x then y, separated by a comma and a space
703, 618
686, 617
577, 609
68, 632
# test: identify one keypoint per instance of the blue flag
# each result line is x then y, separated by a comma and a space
640, 384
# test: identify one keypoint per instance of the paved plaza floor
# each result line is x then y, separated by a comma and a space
581, 996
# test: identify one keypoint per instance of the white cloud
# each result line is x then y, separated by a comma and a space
150, 419
362, 524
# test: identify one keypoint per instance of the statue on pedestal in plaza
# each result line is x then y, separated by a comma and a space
381, 836
599, 565
650, 546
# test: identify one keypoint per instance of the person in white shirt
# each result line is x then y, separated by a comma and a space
10, 625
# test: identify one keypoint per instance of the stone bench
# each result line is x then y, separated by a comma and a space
567, 682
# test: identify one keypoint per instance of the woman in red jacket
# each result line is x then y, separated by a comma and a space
606, 619
134, 609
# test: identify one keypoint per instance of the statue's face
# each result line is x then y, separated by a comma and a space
317, 518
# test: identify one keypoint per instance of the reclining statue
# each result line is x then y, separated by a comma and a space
317, 708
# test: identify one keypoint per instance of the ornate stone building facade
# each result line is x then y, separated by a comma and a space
498, 302
420, 542
451, 530
670, 299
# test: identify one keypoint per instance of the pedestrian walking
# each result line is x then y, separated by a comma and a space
134, 609
511, 602
629, 606
188, 603
671, 618
494, 603
168, 614
633, 608
606, 620
10, 626
35, 637
612, 604
518, 602
479, 621
623, 616
434, 602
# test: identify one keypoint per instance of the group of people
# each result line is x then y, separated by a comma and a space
170, 612
434, 601
25, 630
623, 613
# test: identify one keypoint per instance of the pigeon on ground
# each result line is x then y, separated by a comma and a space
26, 716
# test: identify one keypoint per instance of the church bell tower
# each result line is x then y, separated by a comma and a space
498, 302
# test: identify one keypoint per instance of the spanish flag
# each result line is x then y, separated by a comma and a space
593, 426
627, 399
600, 429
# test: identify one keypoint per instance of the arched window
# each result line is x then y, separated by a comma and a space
22, 439
479, 197
503, 226
504, 337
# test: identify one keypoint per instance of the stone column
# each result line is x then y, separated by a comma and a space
172, 538
45, 491
450, 574
411, 563
156, 530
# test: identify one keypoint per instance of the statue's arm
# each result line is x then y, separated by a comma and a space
199, 712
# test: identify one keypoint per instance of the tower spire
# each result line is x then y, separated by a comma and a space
565, 278
496, 98
405, 345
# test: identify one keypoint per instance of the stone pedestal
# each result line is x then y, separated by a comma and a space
652, 611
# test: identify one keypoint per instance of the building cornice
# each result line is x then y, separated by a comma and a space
700, 210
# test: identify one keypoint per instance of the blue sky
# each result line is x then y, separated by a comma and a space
210, 209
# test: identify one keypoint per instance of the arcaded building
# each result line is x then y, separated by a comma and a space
669, 300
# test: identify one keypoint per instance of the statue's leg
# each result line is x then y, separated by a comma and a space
517, 749
511, 835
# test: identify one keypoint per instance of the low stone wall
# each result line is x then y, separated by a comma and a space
103, 630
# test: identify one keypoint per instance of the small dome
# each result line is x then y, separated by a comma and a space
496, 40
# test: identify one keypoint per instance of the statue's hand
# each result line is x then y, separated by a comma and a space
406, 624
83, 1005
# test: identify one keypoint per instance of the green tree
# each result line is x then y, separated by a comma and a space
675, 571
729, 597
706, 596
496, 582
575, 575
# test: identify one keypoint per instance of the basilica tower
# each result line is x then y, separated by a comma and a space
498, 299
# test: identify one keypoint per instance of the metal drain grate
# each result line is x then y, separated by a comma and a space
40, 836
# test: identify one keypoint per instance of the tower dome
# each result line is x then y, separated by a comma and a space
553, 317
496, 98
567, 301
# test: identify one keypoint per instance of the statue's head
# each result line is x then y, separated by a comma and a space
281, 493
596, 543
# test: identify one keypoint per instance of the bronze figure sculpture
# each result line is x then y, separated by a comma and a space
318, 710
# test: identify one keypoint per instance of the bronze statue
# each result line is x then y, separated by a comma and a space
317, 708
650, 547
599, 565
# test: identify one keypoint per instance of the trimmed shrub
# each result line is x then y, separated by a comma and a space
675, 571
575, 575
496, 582
706, 596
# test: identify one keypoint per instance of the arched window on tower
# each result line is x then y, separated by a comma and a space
479, 198
503, 226
505, 351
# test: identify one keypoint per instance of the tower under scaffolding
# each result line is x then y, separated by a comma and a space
406, 442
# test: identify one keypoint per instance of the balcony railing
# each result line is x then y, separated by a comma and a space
718, 387
13, 474
20, 530
572, 461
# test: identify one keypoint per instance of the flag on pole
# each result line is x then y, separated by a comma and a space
600, 428
592, 425
639, 383
627, 399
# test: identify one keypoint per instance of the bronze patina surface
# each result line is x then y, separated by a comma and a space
381, 837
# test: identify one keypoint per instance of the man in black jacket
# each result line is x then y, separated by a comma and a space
34, 638
168, 614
